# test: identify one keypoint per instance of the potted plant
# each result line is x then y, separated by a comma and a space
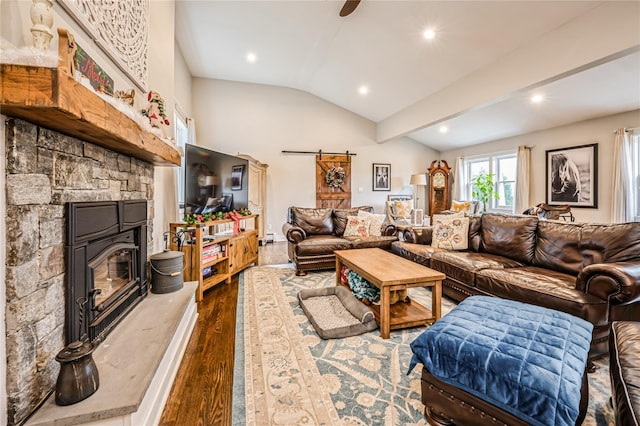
483, 189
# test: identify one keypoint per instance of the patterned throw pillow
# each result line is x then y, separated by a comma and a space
450, 232
461, 206
446, 216
357, 226
403, 208
375, 227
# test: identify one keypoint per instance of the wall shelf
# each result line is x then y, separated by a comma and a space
51, 98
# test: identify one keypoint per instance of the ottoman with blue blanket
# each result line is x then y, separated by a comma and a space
496, 361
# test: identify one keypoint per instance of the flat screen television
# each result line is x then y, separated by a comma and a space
214, 182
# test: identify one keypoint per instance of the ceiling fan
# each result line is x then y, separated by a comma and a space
349, 7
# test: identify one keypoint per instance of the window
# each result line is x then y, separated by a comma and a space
505, 170
182, 138
503, 166
635, 167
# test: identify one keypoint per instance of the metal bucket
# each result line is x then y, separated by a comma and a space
166, 272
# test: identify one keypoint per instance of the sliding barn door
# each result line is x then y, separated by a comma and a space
326, 196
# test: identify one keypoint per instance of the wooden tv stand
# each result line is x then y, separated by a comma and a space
213, 253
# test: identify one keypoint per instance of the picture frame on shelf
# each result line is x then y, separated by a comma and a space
572, 176
237, 174
381, 177
417, 217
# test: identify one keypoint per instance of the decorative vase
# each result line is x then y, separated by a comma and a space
78, 378
42, 20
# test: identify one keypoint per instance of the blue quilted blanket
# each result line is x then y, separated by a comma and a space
525, 359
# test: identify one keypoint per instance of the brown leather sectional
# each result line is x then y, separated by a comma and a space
624, 369
313, 234
588, 270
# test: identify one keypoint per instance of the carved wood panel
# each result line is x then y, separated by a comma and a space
327, 196
120, 28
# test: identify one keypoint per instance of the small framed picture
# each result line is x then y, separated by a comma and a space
381, 177
417, 217
237, 173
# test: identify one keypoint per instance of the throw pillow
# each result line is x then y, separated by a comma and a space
357, 226
340, 219
451, 233
403, 209
445, 216
461, 206
375, 227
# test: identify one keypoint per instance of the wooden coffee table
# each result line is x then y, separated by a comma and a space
390, 272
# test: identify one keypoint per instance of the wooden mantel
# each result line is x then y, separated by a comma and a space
51, 98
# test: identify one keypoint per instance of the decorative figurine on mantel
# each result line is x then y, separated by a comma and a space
67, 48
126, 97
155, 111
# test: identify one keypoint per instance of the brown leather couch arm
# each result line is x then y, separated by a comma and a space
421, 235
293, 233
618, 282
389, 230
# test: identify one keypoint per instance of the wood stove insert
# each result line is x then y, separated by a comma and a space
106, 256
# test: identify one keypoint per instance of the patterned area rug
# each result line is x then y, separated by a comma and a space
286, 374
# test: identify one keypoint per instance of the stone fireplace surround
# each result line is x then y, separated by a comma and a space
44, 170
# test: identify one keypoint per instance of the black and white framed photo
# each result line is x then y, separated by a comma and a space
572, 176
381, 177
236, 177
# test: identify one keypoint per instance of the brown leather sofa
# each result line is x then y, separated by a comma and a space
313, 234
624, 369
591, 271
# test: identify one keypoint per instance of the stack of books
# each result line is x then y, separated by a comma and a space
212, 252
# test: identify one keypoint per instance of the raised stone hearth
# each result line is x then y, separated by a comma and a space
44, 170
136, 364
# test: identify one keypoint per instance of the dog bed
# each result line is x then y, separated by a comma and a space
335, 312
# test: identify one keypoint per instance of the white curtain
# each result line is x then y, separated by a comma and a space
191, 126
459, 180
622, 193
523, 177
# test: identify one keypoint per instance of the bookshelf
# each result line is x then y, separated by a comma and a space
214, 253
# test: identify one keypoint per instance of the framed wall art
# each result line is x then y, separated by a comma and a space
381, 177
237, 173
572, 176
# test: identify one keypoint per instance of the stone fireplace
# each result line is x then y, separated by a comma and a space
45, 170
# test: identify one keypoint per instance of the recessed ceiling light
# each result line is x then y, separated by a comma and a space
444, 129
429, 34
363, 90
536, 99
251, 57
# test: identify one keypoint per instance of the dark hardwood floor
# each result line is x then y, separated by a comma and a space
201, 392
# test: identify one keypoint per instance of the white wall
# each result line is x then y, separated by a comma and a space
586, 132
161, 79
262, 121
182, 81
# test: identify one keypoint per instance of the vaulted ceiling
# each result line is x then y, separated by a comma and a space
475, 77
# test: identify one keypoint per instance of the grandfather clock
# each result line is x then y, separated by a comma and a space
439, 187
